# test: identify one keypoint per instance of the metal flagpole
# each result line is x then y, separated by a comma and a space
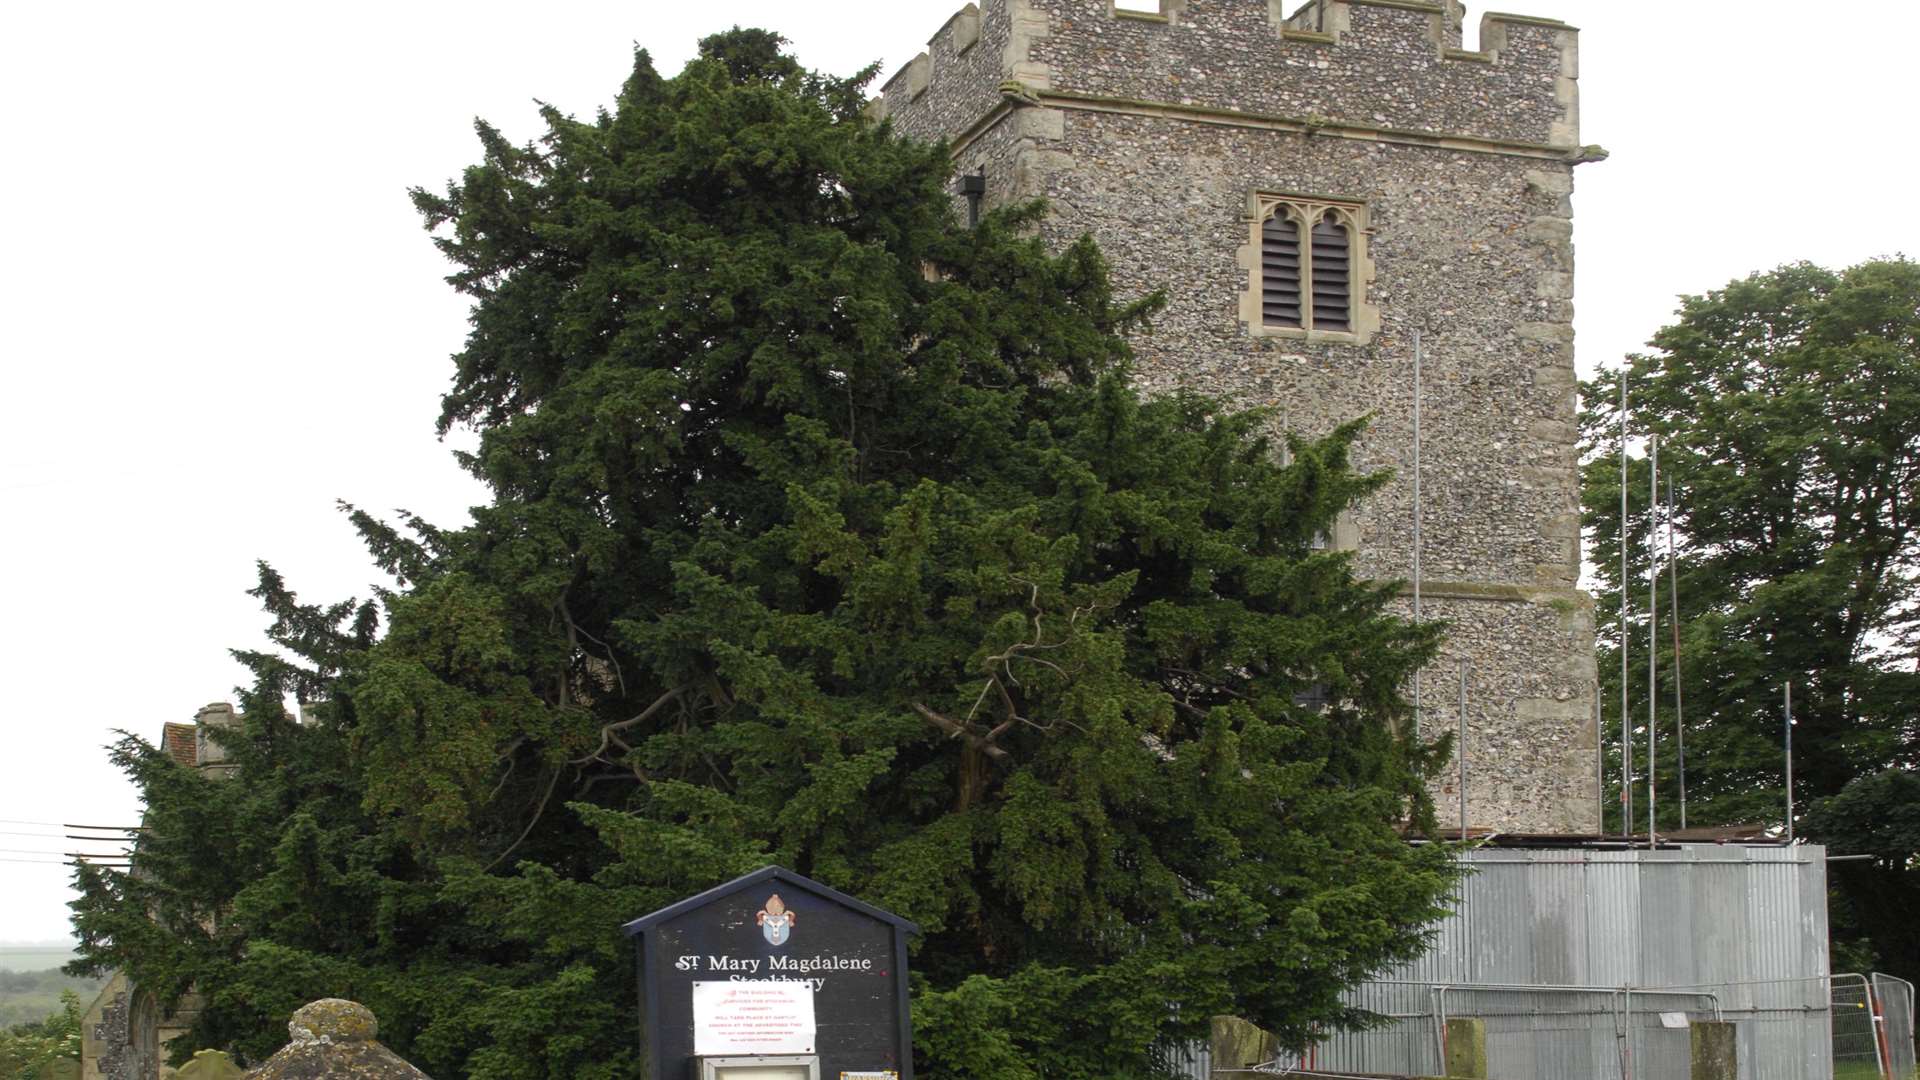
1599, 762
1626, 729
1789, 761
1653, 638
1673, 594
1463, 748
1417, 515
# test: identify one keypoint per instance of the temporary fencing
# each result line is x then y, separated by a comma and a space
1855, 1033
1558, 1031
1840, 1027
1893, 1001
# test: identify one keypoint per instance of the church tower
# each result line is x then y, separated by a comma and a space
1316, 191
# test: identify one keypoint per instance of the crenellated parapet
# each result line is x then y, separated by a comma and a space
1389, 70
957, 81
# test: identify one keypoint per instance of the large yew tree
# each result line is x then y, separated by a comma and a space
824, 531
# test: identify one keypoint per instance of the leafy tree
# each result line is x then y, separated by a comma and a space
31, 1051
1876, 815
1787, 408
823, 531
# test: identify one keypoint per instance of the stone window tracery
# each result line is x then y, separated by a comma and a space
1309, 270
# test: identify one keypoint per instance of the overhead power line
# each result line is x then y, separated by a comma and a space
70, 825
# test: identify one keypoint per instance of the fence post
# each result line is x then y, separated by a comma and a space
1467, 1048
1880, 1044
1716, 1052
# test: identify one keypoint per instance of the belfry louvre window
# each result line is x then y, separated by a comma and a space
1308, 286
1310, 268
1280, 271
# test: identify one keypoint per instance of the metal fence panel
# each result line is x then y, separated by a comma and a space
1855, 1040
1894, 998
1540, 940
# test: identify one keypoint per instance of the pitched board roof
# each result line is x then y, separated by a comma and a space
764, 874
180, 742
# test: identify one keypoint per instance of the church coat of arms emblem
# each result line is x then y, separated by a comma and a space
776, 922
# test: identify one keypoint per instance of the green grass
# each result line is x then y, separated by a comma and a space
1861, 1070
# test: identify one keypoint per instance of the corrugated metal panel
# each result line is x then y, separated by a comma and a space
1556, 894
1192, 1061
1613, 917
1696, 930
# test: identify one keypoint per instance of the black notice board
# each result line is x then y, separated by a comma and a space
774, 924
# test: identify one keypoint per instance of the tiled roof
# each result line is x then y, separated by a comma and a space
179, 741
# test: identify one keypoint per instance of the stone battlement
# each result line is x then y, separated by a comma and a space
1373, 69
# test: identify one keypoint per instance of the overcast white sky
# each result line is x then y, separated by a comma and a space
218, 313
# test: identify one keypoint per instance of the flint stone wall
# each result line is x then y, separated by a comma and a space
108, 1034
1152, 132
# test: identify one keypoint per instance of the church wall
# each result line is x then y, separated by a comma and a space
1153, 132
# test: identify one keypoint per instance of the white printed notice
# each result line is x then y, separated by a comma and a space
752, 1017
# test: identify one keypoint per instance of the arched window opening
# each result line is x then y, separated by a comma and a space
1332, 275
143, 1035
1309, 269
1280, 271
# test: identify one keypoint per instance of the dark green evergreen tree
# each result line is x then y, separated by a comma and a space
824, 531
1787, 406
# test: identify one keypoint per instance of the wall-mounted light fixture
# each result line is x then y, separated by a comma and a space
974, 187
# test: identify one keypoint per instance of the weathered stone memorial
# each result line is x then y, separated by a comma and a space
774, 977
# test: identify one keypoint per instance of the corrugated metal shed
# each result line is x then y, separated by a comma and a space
1572, 955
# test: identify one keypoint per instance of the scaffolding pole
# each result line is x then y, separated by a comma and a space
1463, 748
1626, 729
1653, 638
1418, 513
1673, 594
1789, 729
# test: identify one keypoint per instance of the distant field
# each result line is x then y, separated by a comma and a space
33, 957
29, 996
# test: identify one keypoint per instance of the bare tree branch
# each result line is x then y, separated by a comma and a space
609, 732
619, 677
959, 731
507, 756
538, 813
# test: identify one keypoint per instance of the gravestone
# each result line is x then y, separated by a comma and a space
335, 1039
209, 1065
773, 976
